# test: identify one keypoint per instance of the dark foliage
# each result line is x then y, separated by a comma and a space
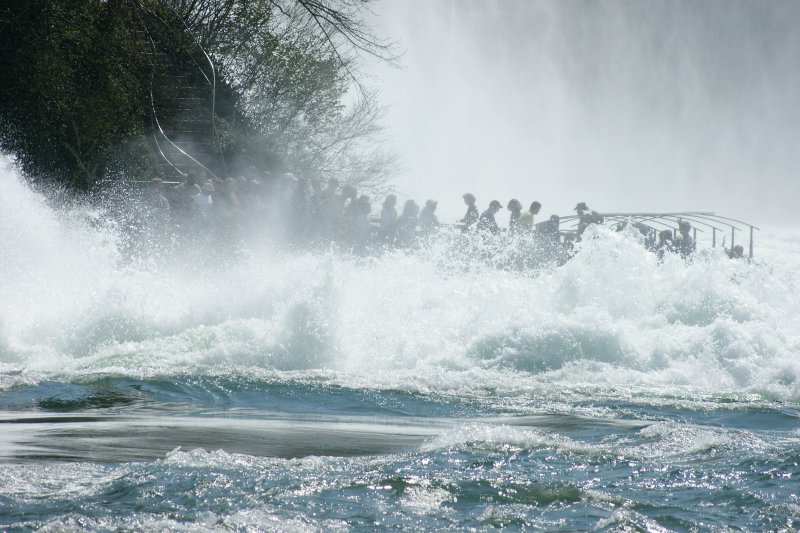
73, 90
83, 80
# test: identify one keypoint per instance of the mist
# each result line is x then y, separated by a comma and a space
628, 106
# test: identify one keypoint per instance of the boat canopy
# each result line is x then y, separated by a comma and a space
717, 227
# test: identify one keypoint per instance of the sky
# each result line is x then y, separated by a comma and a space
659, 106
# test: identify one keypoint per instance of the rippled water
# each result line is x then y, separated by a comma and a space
302, 391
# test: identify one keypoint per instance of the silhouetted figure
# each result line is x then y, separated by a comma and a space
407, 224
228, 209
487, 221
184, 192
586, 217
427, 218
330, 189
567, 248
350, 194
515, 212
551, 229
685, 244
471, 216
737, 252
665, 244
255, 199
527, 218
389, 219
332, 212
208, 204
157, 200
362, 229
198, 203
315, 197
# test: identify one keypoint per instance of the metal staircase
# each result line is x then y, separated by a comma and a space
182, 94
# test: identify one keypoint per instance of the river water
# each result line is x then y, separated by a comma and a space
321, 391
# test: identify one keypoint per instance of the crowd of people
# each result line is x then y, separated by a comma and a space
304, 212
300, 211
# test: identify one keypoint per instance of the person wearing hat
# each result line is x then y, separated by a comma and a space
515, 209
487, 221
526, 219
581, 208
471, 217
427, 217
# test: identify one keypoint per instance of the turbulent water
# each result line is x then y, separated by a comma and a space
321, 391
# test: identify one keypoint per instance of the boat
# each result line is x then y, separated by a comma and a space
705, 224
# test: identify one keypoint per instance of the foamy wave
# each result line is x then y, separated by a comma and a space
504, 438
435, 321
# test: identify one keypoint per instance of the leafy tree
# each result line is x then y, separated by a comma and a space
78, 97
72, 91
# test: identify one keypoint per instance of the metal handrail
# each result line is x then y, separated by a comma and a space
152, 100
697, 217
153, 116
212, 82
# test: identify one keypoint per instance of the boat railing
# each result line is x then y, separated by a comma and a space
718, 225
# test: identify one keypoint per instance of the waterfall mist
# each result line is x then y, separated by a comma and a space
629, 106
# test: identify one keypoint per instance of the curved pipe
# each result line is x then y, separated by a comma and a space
212, 82
153, 115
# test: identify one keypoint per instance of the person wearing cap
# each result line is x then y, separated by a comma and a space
586, 217
427, 217
471, 216
526, 218
487, 221
685, 243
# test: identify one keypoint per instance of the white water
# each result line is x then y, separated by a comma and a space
613, 319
